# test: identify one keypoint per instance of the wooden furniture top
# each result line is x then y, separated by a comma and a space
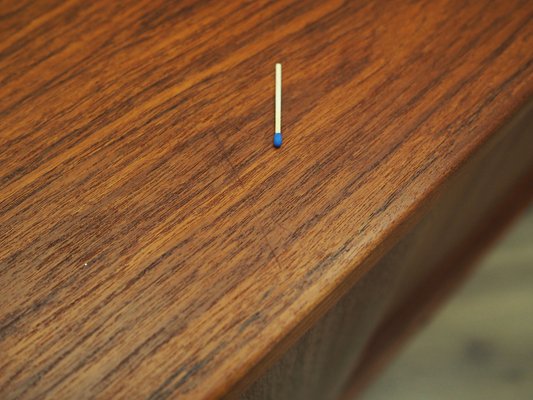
153, 242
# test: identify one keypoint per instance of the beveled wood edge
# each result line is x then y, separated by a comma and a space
416, 312
389, 239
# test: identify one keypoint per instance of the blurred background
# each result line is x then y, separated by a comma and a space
480, 344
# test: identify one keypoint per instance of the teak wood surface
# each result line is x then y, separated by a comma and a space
153, 244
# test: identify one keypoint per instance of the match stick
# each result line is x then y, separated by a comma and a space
277, 132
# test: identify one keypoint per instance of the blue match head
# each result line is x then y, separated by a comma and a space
277, 140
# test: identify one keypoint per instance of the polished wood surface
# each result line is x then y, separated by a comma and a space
153, 243
338, 356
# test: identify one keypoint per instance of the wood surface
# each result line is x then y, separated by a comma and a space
338, 356
153, 243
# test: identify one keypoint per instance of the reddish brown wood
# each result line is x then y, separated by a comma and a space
364, 328
152, 243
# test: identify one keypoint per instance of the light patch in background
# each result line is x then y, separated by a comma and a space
480, 344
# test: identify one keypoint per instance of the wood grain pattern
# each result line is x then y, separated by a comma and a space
432, 256
153, 244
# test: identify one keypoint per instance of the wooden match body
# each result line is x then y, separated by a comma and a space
278, 139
